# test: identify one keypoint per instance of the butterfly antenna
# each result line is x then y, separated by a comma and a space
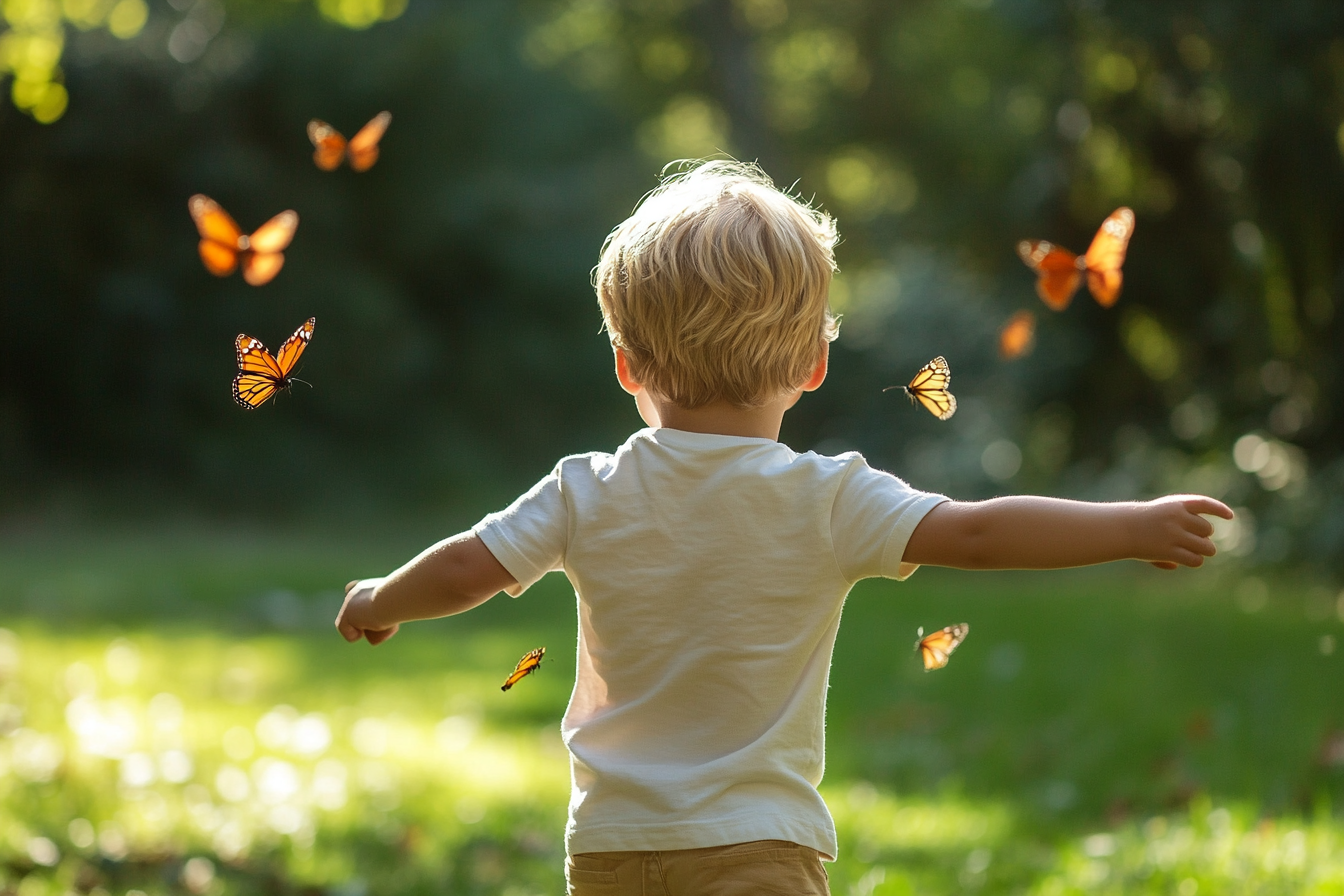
305, 382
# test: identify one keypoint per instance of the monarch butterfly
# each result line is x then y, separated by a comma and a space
1018, 336
223, 244
259, 374
1059, 272
530, 663
362, 149
937, 647
930, 387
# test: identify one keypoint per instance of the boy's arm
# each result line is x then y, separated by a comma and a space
451, 577
1050, 533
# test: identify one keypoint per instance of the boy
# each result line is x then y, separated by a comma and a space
711, 562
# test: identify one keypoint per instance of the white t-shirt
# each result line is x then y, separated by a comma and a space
710, 572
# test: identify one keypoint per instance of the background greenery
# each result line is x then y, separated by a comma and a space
1106, 732
458, 350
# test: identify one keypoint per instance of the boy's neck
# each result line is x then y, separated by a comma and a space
725, 419
720, 418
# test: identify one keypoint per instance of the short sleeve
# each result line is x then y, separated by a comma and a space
872, 521
528, 537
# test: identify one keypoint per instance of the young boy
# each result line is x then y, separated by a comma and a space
711, 562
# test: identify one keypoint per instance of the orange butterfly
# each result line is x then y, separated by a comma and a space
1059, 272
930, 387
937, 647
362, 150
1018, 336
530, 663
223, 243
261, 375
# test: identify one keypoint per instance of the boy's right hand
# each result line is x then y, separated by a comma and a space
1174, 532
357, 618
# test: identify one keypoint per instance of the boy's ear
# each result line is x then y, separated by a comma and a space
819, 373
628, 383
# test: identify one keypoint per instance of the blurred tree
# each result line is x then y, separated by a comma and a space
941, 132
32, 44
457, 342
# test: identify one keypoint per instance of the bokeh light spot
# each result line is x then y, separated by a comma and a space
1001, 460
690, 127
361, 13
1117, 72
970, 87
1150, 345
127, 18
81, 833
665, 59
866, 183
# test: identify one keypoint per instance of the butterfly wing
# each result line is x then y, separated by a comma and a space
259, 376
1057, 272
264, 260
1018, 336
363, 147
328, 145
937, 647
288, 356
218, 259
275, 234
1106, 254
251, 390
530, 663
930, 387
260, 269
219, 235
213, 222
941, 404
934, 375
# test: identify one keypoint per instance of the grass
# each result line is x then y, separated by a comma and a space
177, 716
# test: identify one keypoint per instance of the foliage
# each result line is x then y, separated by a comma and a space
30, 50
943, 131
458, 351
1100, 734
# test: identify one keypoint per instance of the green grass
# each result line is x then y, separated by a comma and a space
177, 716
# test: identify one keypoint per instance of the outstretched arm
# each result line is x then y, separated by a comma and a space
451, 577
1050, 533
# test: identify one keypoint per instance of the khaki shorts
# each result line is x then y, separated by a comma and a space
741, 869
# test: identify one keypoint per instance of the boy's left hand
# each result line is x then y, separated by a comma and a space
1175, 533
357, 618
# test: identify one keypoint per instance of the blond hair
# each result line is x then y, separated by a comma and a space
716, 287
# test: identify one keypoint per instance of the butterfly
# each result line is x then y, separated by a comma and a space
1018, 336
261, 375
223, 244
1059, 272
937, 647
930, 387
362, 149
530, 663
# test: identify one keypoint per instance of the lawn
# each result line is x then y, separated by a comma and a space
178, 716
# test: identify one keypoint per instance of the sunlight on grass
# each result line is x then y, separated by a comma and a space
129, 759
951, 844
158, 763
188, 749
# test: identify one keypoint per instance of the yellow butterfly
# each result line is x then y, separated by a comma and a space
937, 647
930, 387
530, 663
